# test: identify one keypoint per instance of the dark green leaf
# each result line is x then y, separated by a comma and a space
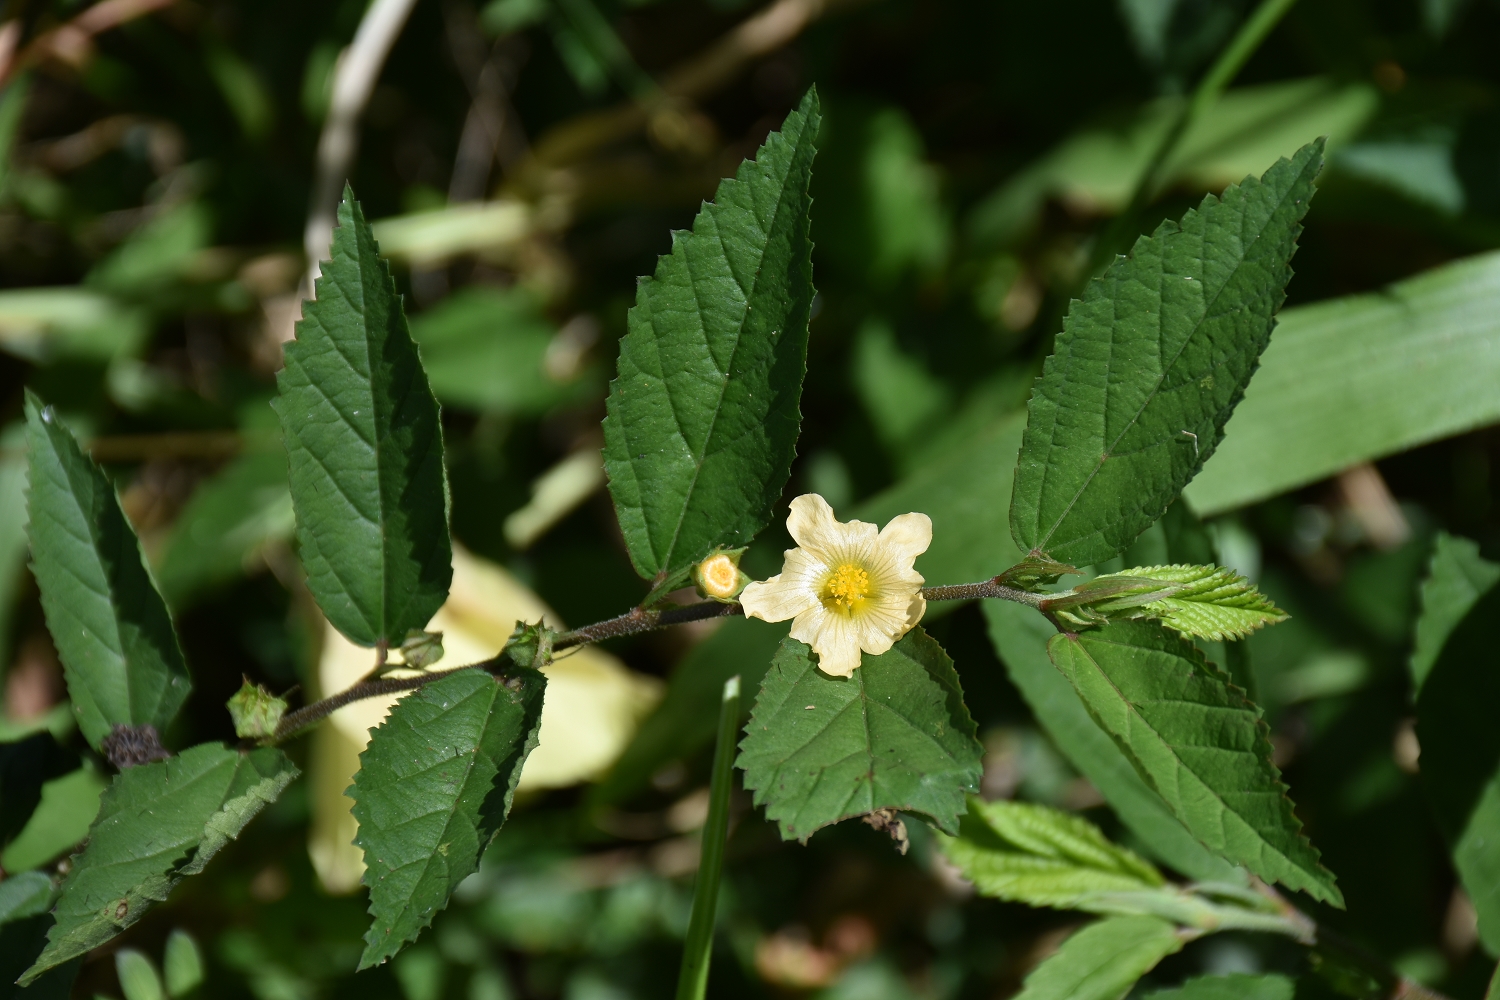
366, 448
229, 520
25, 766
896, 735
1457, 578
1102, 961
1199, 741
157, 824
113, 633
703, 419
1461, 756
1150, 365
1239, 986
1020, 636
1339, 386
433, 788
1040, 856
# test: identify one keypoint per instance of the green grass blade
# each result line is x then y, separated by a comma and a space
1150, 364
896, 735
703, 419
434, 787
1199, 741
112, 630
1102, 961
1337, 387
366, 449
697, 948
157, 824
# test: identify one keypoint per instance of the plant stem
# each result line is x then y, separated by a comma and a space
1238, 52
633, 622
692, 980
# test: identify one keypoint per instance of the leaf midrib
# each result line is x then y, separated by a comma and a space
1208, 310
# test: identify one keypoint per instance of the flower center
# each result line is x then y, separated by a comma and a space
846, 588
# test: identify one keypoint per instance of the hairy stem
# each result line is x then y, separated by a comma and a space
633, 622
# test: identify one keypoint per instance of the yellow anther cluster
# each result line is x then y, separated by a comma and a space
846, 587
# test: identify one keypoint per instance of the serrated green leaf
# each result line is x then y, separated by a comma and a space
1201, 744
1020, 637
112, 630
1039, 856
1461, 756
434, 787
157, 824
1207, 602
366, 447
703, 419
231, 518
1238, 986
1340, 383
896, 735
1102, 961
1457, 577
1150, 364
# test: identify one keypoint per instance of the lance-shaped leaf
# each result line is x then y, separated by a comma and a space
1208, 602
433, 788
366, 449
1151, 363
703, 419
896, 735
1103, 961
1020, 636
157, 824
112, 630
1040, 856
1200, 743
1457, 578
1461, 756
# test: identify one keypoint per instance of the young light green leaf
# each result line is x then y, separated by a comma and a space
25, 894
434, 787
157, 824
1199, 741
703, 419
1020, 637
229, 521
137, 975
113, 633
1239, 986
1336, 386
1457, 578
1207, 602
366, 447
1041, 856
25, 766
896, 735
1150, 364
182, 964
1102, 961
1461, 756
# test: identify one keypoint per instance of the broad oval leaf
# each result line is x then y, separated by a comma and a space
157, 824
1020, 637
1461, 756
896, 735
1039, 856
112, 630
434, 787
1103, 960
366, 449
703, 419
1151, 363
1457, 577
1200, 743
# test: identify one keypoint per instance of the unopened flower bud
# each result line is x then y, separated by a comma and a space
256, 712
719, 577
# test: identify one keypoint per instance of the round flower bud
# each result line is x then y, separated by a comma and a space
718, 577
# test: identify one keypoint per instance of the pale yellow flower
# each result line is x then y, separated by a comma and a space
848, 588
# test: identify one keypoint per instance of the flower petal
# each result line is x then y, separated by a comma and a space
906, 537
833, 637
915, 612
813, 526
776, 600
